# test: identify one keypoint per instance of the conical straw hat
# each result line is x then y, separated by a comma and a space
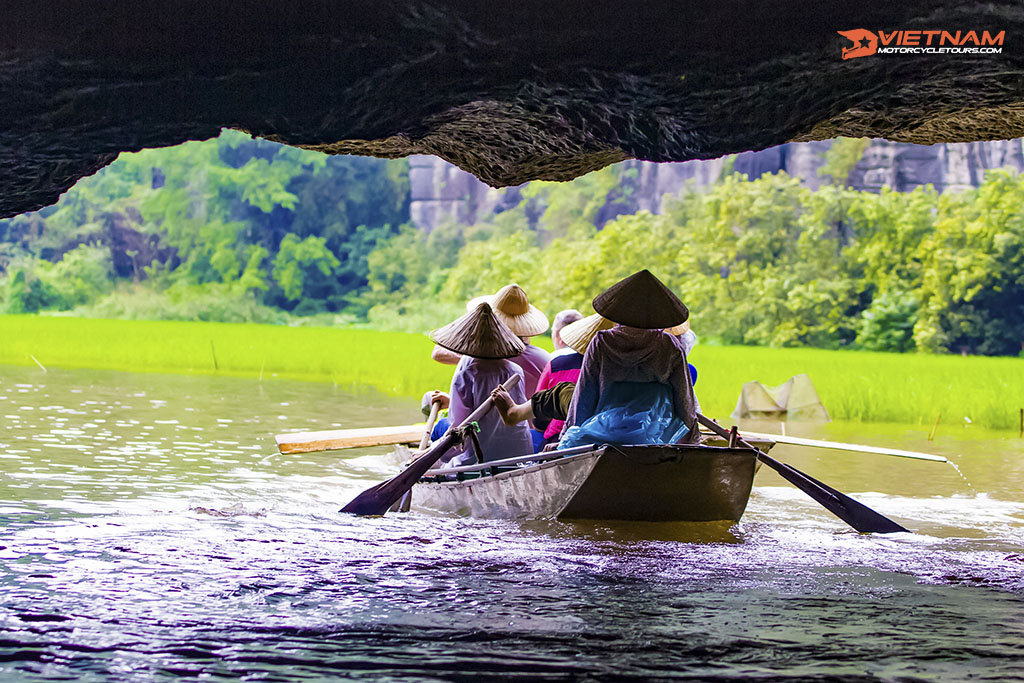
577, 335
641, 300
477, 300
514, 309
679, 329
479, 334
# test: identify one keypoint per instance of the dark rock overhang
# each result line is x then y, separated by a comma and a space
510, 91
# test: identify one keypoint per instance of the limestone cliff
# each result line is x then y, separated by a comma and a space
442, 191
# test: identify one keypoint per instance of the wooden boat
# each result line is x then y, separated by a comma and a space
665, 483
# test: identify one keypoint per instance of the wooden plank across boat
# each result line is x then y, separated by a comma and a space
661, 483
338, 439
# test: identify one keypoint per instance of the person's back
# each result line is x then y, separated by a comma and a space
633, 355
471, 386
532, 360
635, 352
485, 344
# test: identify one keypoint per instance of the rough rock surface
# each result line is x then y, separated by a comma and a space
509, 91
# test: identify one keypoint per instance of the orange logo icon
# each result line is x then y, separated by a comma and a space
865, 43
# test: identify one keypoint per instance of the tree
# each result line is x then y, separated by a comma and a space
302, 265
972, 293
888, 324
217, 212
841, 158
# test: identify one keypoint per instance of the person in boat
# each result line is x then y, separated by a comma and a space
635, 382
561, 319
486, 345
565, 366
635, 378
512, 307
552, 403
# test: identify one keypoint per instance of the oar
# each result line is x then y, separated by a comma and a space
377, 499
435, 408
405, 502
859, 516
364, 437
839, 446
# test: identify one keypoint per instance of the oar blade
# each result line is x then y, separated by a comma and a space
378, 499
369, 502
859, 516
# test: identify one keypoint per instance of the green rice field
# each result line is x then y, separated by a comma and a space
854, 385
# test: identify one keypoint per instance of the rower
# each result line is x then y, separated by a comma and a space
635, 384
486, 344
551, 403
566, 364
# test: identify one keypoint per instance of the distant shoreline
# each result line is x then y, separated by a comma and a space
854, 385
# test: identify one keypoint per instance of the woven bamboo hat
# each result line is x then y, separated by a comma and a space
679, 329
514, 309
641, 300
479, 334
577, 335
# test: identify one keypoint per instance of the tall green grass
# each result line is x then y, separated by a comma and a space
873, 387
860, 386
392, 362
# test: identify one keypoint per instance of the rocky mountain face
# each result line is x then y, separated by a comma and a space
442, 191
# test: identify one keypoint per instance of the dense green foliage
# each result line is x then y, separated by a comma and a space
236, 229
229, 229
860, 386
764, 262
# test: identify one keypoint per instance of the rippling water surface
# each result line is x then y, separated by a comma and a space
149, 531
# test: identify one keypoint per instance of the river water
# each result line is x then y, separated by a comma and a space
149, 531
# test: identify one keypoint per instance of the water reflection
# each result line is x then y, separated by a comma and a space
637, 532
149, 531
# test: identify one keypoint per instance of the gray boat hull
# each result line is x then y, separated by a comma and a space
676, 483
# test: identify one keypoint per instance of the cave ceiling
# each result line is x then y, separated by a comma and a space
509, 91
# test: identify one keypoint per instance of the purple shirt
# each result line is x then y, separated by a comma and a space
471, 386
532, 360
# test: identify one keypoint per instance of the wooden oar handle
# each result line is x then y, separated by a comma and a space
435, 408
